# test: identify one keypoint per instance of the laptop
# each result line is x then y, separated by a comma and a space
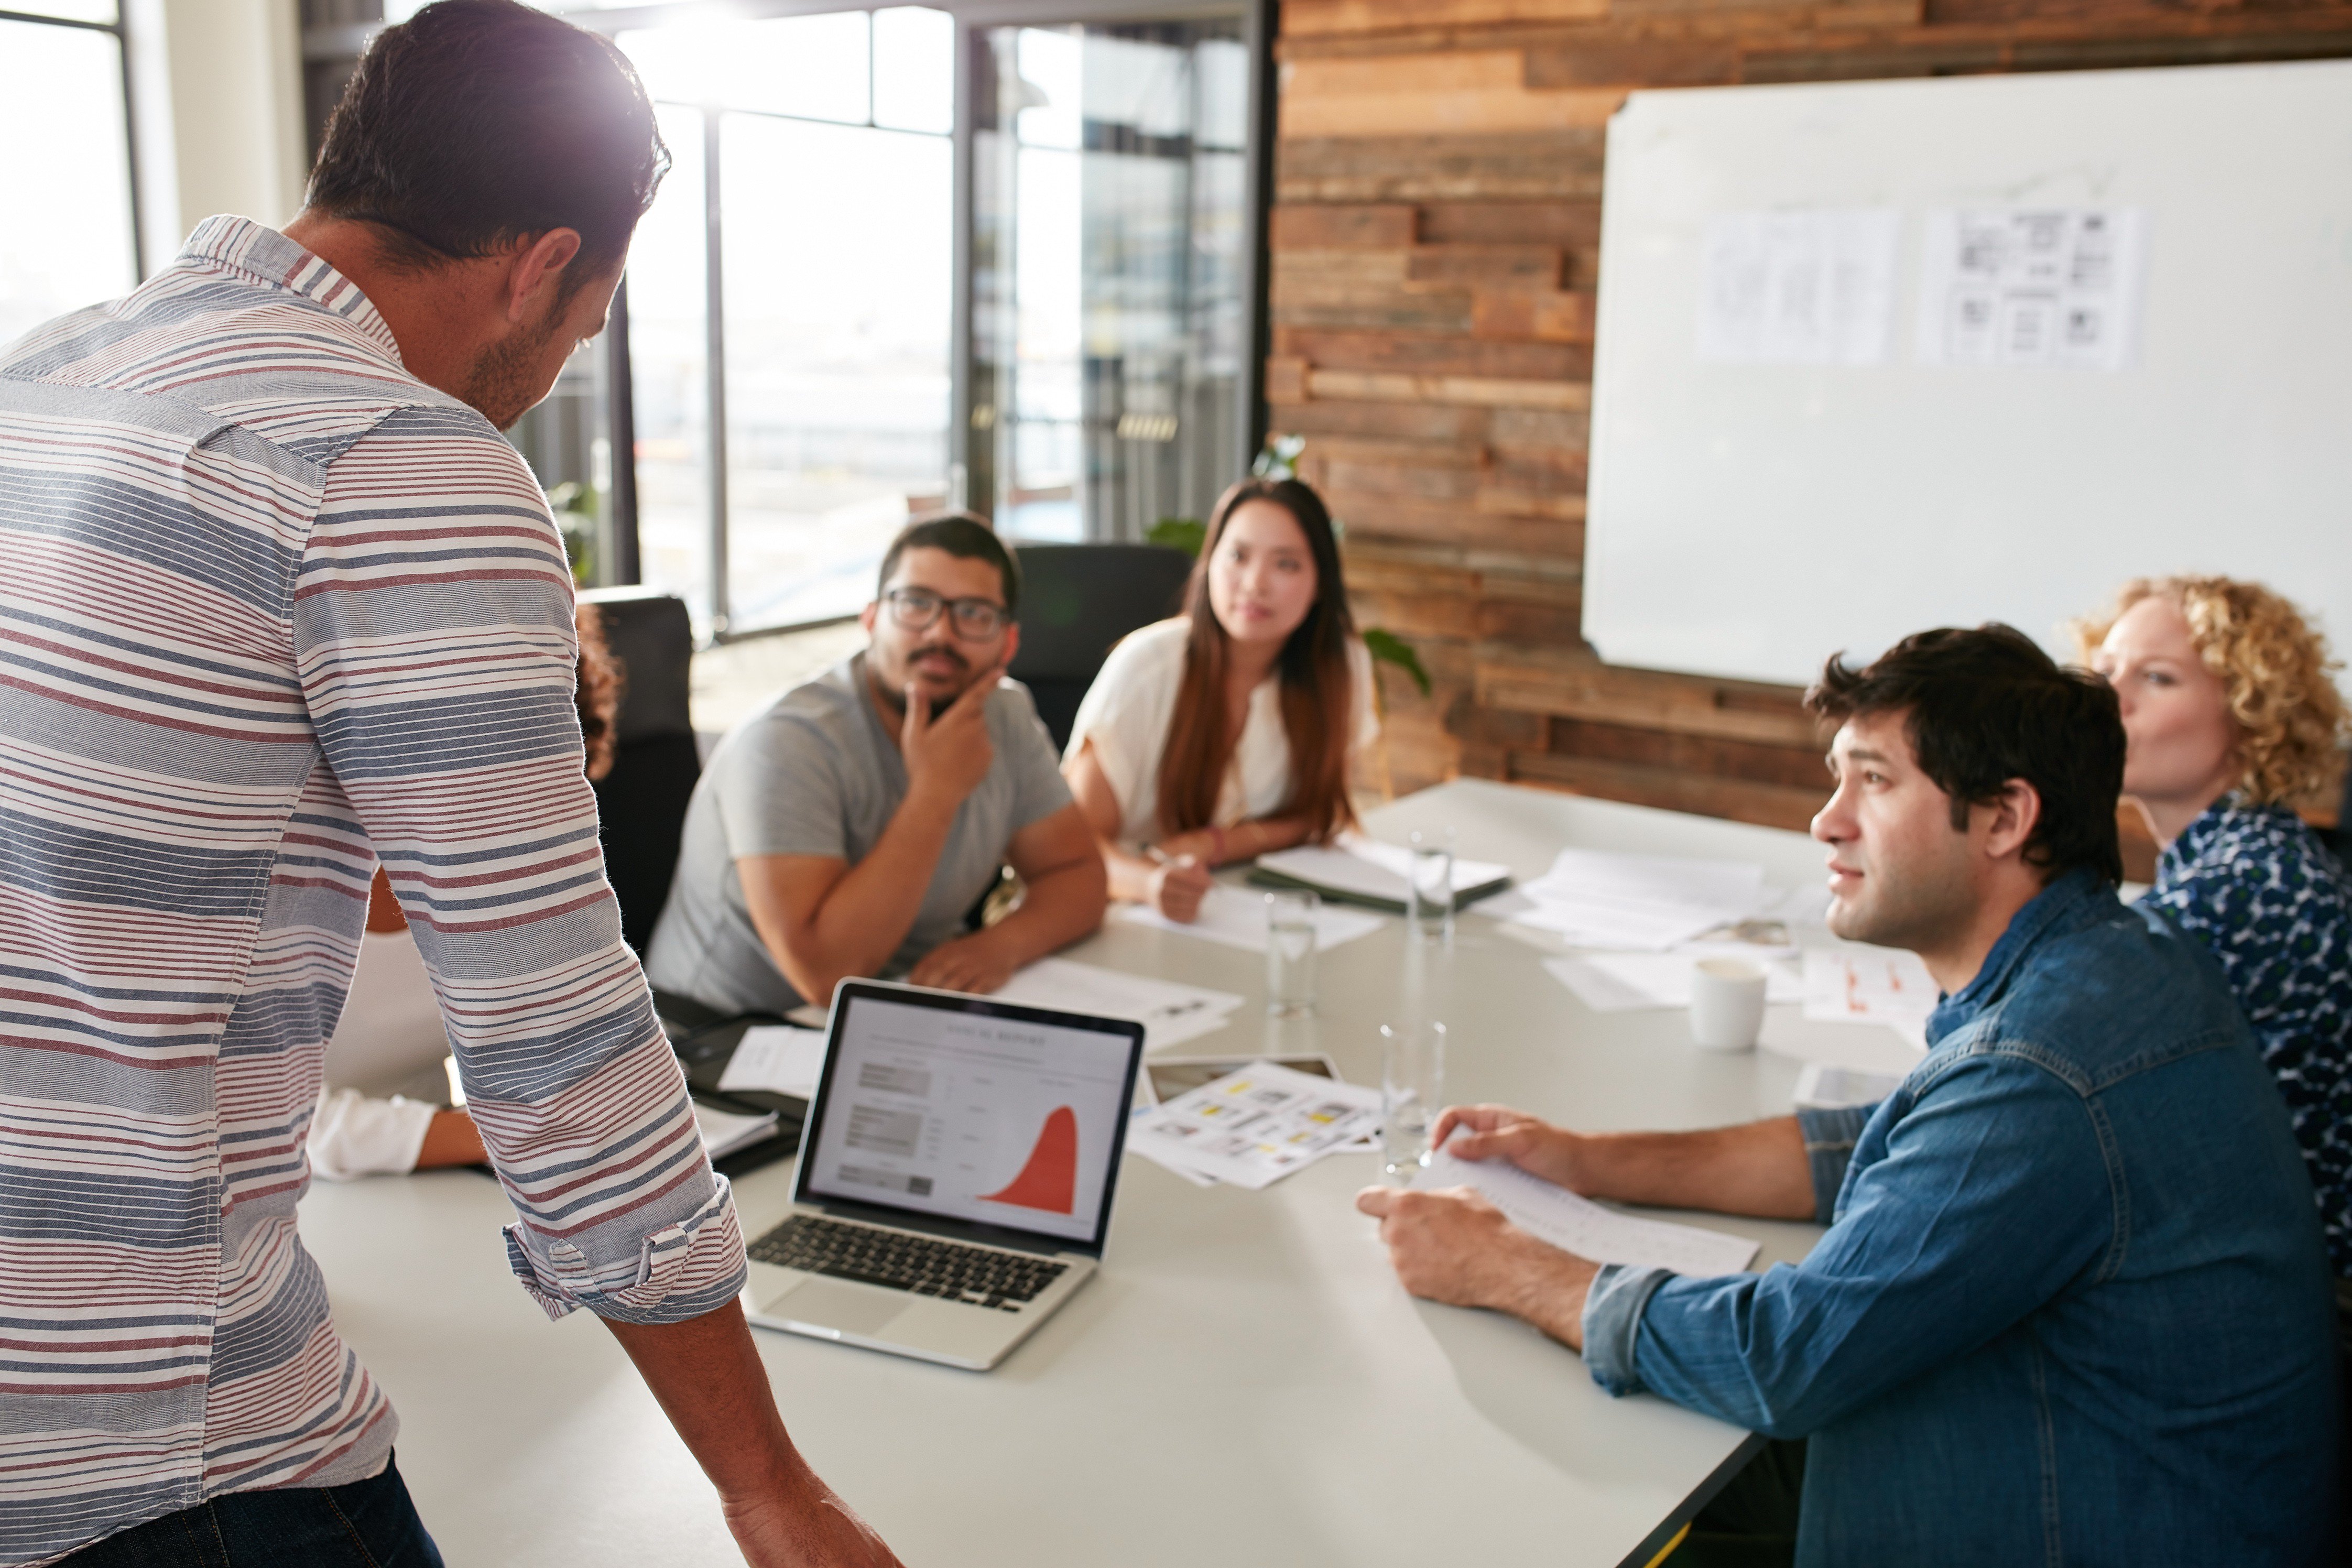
956, 1174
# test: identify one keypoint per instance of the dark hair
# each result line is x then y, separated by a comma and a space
599, 680
960, 534
1319, 698
1983, 707
478, 122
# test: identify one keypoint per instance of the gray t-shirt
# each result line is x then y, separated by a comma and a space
816, 773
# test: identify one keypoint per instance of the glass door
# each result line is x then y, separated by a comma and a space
1112, 234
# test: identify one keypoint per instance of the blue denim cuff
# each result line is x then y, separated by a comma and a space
1612, 1318
1830, 1138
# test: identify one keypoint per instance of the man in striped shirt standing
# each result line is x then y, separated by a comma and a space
277, 601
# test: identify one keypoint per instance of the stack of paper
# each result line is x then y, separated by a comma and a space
724, 1132
1624, 982
1237, 918
1871, 985
1632, 902
1254, 1127
1578, 1224
778, 1059
1368, 871
1169, 1010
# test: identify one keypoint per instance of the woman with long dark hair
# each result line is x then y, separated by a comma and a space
1227, 732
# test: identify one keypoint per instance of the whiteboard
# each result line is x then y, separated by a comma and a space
1749, 516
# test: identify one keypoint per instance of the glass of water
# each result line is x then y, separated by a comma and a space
1413, 1092
1429, 887
1290, 953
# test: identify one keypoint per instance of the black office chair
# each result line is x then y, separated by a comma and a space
641, 804
1076, 601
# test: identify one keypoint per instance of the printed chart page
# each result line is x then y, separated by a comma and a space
972, 1117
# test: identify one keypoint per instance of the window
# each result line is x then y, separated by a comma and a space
812, 351
793, 400
73, 236
1111, 348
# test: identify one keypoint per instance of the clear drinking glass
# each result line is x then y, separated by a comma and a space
1290, 953
1429, 887
1413, 1092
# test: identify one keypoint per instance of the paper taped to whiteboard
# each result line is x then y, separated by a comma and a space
1798, 288
2041, 285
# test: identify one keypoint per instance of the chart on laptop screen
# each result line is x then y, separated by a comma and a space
971, 1117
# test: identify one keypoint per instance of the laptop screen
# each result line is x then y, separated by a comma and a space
968, 1109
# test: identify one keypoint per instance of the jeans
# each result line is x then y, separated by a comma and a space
367, 1524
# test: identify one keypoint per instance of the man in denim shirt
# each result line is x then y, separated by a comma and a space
2073, 1305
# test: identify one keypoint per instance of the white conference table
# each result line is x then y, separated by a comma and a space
1244, 1381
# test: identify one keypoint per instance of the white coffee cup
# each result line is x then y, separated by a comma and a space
1726, 1004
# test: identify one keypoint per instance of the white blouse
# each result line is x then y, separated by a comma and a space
390, 1038
1128, 711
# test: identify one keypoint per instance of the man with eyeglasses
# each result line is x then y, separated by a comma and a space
851, 826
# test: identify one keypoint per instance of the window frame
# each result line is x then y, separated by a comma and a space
972, 19
120, 31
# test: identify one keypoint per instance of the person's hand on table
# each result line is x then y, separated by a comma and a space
971, 964
1499, 1132
1451, 1245
1178, 886
801, 1523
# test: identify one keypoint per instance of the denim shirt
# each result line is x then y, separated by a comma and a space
2073, 1305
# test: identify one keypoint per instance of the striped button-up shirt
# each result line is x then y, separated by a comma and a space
272, 609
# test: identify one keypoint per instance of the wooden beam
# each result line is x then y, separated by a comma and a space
1412, 421
1572, 225
1452, 93
1389, 386
1551, 164
1553, 316
1526, 267
1573, 688
1310, 18
1344, 226
1420, 354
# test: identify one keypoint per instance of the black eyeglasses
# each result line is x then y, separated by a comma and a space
918, 609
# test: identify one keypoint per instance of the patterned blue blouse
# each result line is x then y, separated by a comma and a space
2258, 888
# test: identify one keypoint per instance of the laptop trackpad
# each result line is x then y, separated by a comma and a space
838, 1304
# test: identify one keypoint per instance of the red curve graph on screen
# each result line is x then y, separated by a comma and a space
1050, 1180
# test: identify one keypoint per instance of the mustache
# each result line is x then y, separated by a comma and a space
942, 649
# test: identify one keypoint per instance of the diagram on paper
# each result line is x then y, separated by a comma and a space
1798, 288
2039, 286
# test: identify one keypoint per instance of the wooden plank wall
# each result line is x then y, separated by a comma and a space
1437, 213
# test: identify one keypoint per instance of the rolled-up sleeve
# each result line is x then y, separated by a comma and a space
433, 629
1829, 1137
1613, 1323
1991, 1197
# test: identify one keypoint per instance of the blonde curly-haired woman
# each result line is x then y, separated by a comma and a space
2231, 716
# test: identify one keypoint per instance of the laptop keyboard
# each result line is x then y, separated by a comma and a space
871, 1255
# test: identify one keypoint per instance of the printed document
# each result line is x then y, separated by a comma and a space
1366, 868
776, 1058
723, 1132
2025, 286
1236, 916
1169, 1011
1871, 985
1800, 288
1578, 1224
1254, 1127
1631, 902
